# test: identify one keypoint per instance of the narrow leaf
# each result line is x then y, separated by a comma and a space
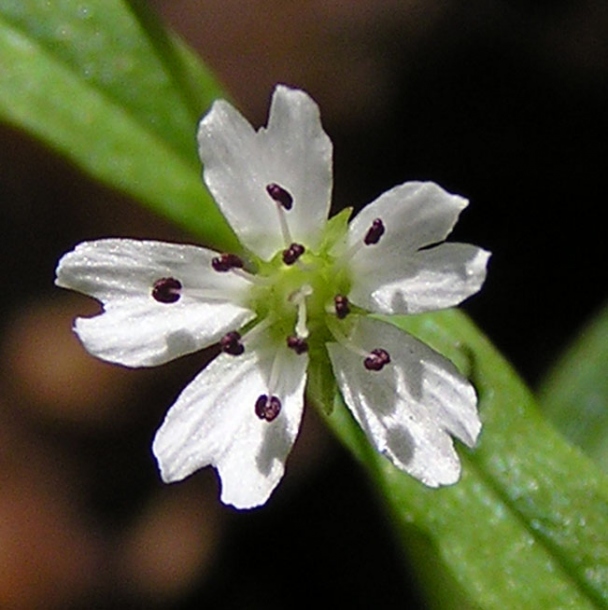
526, 525
84, 77
574, 394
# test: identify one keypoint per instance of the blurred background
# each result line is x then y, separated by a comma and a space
504, 102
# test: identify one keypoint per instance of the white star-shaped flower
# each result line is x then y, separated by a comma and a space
298, 294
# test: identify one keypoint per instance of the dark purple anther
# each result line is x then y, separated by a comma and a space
231, 343
167, 290
342, 306
374, 233
280, 195
293, 253
225, 262
297, 344
376, 360
267, 407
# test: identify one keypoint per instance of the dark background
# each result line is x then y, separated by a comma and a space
503, 102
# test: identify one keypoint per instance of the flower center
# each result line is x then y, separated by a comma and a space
300, 296
296, 297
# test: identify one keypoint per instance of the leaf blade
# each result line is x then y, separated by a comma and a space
525, 527
60, 80
574, 394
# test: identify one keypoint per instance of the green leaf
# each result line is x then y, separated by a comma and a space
526, 526
99, 82
574, 394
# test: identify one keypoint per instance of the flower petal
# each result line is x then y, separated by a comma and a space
137, 330
426, 280
415, 215
214, 422
410, 407
293, 151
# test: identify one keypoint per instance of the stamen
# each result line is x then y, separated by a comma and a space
297, 344
293, 253
226, 261
284, 201
376, 360
166, 290
231, 343
280, 195
267, 407
373, 361
342, 306
374, 233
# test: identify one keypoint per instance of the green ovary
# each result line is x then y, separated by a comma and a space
312, 282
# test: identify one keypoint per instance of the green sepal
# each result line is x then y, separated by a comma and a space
321, 387
335, 230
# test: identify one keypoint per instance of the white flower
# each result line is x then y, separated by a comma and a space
294, 300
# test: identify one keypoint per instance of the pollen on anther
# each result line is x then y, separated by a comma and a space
280, 195
167, 290
377, 359
267, 407
293, 253
342, 306
225, 262
297, 344
374, 233
231, 344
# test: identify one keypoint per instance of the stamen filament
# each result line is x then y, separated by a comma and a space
274, 374
205, 295
375, 360
342, 339
372, 237
257, 329
284, 227
252, 278
346, 257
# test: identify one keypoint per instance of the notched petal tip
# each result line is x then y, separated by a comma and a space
214, 423
65, 271
410, 410
169, 466
476, 271
228, 498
